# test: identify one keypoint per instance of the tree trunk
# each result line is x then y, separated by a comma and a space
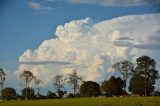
38, 92
145, 87
74, 88
26, 91
145, 82
124, 88
1, 91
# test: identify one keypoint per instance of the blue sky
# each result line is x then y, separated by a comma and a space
23, 27
25, 24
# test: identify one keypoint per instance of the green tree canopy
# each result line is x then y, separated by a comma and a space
90, 89
30, 93
2, 79
146, 68
125, 68
27, 77
51, 95
136, 85
9, 93
113, 86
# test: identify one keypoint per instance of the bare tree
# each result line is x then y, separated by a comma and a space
2, 79
74, 80
27, 77
125, 68
37, 83
58, 82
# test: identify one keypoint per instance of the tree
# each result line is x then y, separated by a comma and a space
136, 85
125, 68
51, 95
2, 79
37, 84
59, 81
146, 67
73, 80
30, 93
90, 89
62, 93
27, 77
113, 86
70, 95
9, 93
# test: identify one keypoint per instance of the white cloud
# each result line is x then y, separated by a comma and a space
34, 5
82, 1
96, 46
50, 0
116, 2
37, 6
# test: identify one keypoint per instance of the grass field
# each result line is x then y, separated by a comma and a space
126, 101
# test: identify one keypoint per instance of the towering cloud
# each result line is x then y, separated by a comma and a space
94, 47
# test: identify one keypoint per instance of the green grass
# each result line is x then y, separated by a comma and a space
117, 101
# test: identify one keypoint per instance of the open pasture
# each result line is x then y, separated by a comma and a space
114, 101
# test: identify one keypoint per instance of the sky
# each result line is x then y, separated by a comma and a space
44, 36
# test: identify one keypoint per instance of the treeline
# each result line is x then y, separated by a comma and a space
141, 77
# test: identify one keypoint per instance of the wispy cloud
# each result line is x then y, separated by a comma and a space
157, 2
51, 0
155, 38
148, 46
44, 63
123, 41
116, 2
82, 1
39, 7
124, 38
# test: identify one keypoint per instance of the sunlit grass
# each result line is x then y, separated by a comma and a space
117, 101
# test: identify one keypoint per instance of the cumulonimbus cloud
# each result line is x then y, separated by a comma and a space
94, 45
